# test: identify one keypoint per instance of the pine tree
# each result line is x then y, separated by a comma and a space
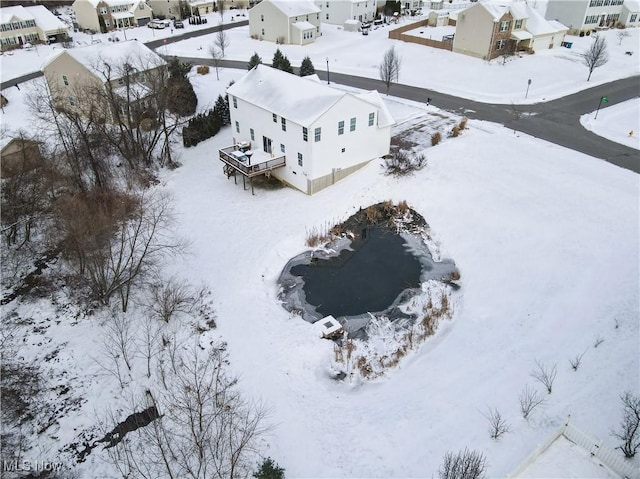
278, 57
306, 68
285, 65
221, 109
269, 469
182, 98
253, 61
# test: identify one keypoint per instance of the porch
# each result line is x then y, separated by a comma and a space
239, 159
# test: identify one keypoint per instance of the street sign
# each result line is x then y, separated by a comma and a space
605, 99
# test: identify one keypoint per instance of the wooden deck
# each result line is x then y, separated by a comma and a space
260, 163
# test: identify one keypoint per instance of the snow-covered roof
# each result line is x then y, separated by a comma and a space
304, 26
559, 27
45, 19
295, 8
298, 99
94, 57
521, 35
538, 25
121, 15
632, 5
18, 11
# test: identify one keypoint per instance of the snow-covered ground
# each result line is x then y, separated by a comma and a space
553, 73
546, 240
619, 123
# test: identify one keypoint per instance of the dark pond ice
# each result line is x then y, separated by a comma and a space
370, 275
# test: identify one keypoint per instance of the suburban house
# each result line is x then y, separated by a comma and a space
107, 15
21, 25
585, 15
18, 155
95, 80
305, 133
630, 14
488, 30
337, 12
285, 22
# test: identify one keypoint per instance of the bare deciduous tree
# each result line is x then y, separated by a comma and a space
577, 360
497, 424
544, 374
390, 67
596, 55
206, 429
629, 430
215, 57
621, 35
529, 399
465, 464
221, 41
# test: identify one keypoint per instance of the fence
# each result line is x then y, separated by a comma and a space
592, 445
398, 34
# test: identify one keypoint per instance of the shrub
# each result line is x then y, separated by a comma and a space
463, 123
435, 138
401, 163
455, 132
629, 430
463, 465
269, 469
202, 69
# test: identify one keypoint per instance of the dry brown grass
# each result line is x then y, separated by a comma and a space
455, 132
403, 207
436, 138
202, 69
463, 123
372, 213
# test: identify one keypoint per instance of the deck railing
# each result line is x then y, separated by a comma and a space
250, 170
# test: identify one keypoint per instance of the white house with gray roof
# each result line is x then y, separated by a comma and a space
289, 22
321, 133
585, 15
337, 12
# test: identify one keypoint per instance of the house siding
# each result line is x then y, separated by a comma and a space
474, 32
277, 25
341, 10
573, 13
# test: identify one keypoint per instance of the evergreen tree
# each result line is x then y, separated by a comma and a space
285, 65
181, 98
277, 59
221, 109
269, 469
306, 68
253, 61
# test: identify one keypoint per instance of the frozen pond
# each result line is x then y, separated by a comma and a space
374, 273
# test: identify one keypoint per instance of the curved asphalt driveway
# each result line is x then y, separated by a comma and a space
557, 121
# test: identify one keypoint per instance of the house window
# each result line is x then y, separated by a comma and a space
263, 31
141, 6
327, 4
343, 150
252, 133
72, 101
107, 23
299, 159
352, 125
500, 44
327, 16
591, 19
262, 18
235, 102
317, 16
282, 148
317, 134
633, 18
283, 122
103, 10
237, 127
518, 25
305, 134
504, 26
275, 117
341, 128
372, 117
65, 80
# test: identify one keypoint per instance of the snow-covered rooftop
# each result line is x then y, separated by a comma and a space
296, 98
45, 19
304, 25
94, 57
294, 9
538, 25
18, 11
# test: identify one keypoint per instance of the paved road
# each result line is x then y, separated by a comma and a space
557, 121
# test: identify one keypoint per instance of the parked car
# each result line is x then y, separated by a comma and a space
178, 24
156, 24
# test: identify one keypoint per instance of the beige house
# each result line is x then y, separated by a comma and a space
95, 80
113, 14
21, 25
185, 8
18, 155
287, 22
487, 30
